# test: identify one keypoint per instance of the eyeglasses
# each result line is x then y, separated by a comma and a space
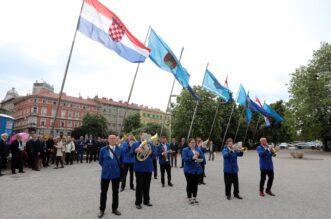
192, 142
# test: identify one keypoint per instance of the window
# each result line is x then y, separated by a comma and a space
34, 109
35, 100
62, 123
44, 100
71, 105
84, 107
53, 112
76, 124
76, 114
63, 113
54, 102
43, 122
69, 124
70, 114
43, 111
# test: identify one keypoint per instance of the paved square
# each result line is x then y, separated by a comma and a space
302, 188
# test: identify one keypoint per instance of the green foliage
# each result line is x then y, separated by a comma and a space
183, 111
95, 124
310, 101
150, 128
132, 122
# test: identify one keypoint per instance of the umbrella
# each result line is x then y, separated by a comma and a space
25, 137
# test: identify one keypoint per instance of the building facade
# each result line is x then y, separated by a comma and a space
35, 113
152, 115
114, 112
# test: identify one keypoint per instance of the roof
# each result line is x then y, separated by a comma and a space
6, 116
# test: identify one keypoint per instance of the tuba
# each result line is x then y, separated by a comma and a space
141, 156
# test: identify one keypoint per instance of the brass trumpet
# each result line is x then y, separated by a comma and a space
274, 151
241, 148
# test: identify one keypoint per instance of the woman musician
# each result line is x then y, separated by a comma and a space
230, 154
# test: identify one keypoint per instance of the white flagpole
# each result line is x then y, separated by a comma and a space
65, 72
195, 111
132, 85
172, 89
227, 126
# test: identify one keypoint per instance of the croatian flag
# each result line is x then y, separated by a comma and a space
100, 24
267, 122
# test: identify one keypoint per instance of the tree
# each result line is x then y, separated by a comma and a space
310, 101
95, 124
150, 128
183, 111
132, 122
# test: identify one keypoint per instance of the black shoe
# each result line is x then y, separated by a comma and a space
101, 213
203, 183
117, 212
162, 185
228, 197
13, 172
238, 197
22, 172
170, 184
62, 166
148, 204
132, 188
122, 189
155, 177
138, 206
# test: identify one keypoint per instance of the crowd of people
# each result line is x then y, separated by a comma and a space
120, 157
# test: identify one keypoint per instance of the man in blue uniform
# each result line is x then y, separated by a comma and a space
128, 161
266, 167
164, 152
231, 169
110, 160
143, 167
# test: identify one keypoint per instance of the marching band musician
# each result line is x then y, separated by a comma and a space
230, 154
192, 156
154, 157
164, 152
128, 161
266, 166
110, 159
143, 170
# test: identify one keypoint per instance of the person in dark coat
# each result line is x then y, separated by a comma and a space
36, 148
3, 150
49, 148
16, 150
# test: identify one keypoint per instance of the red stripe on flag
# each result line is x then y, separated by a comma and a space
108, 13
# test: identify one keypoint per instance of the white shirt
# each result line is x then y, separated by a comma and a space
111, 153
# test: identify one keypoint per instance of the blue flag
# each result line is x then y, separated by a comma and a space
273, 114
242, 96
248, 115
256, 108
210, 83
165, 59
196, 97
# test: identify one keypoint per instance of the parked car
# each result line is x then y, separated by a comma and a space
301, 145
315, 145
283, 145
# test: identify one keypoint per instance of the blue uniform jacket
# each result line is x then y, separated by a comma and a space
145, 166
110, 166
127, 156
80, 145
190, 166
265, 158
154, 155
230, 160
159, 154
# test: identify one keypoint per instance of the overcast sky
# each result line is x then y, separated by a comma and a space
257, 43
